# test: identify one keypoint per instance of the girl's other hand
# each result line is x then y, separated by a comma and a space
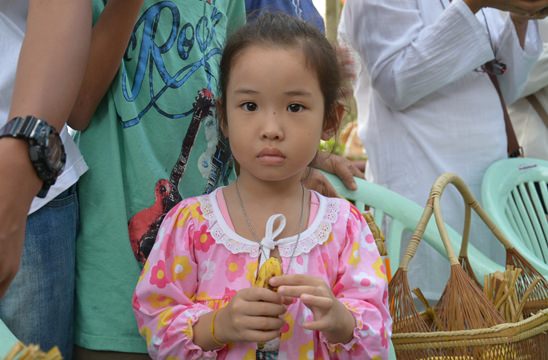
253, 315
331, 317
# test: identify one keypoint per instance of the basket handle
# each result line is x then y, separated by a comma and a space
433, 206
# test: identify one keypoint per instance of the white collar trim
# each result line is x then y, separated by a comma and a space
317, 233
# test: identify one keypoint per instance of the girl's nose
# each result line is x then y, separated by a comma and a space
272, 129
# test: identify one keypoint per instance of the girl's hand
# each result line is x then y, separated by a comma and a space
331, 317
253, 315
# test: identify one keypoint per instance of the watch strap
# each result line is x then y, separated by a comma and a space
24, 128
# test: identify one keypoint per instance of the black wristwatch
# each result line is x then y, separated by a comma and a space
46, 149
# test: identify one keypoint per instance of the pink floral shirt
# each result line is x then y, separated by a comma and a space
199, 263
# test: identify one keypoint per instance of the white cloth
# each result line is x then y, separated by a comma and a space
531, 131
362, 82
430, 112
13, 14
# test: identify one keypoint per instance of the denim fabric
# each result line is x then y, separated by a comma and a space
38, 306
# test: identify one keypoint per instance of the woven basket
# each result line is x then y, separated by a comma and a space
527, 339
417, 336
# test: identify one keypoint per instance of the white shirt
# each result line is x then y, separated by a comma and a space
13, 14
531, 131
430, 112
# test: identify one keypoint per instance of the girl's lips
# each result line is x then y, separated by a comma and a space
271, 153
271, 156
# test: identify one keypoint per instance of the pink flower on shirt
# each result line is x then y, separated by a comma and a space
229, 294
235, 266
159, 276
369, 243
203, 239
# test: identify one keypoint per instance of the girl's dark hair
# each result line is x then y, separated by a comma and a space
281, 30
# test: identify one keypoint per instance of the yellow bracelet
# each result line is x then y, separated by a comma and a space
215, 340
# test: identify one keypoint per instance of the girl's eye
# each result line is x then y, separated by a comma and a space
249, 106
295, 108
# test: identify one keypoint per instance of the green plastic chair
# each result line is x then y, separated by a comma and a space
7, 340
404, 216
515, 195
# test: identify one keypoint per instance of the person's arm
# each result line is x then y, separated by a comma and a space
411, 58
109, 41
162, 301
49, 72
521, 12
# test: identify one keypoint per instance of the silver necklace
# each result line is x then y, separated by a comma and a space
254, 233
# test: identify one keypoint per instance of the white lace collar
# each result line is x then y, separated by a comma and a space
317, 233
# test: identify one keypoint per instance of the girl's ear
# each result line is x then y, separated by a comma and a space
221, 116
333, 121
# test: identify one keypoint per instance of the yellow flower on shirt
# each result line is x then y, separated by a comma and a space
158, 301
306, 351
250, 355
379, 268
146, 333
354, 255
180, 268
286, 332
191, 211
251, 271
165, 318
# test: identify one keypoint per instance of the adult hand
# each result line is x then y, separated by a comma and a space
541, 14
335, 164
331, 317
18, 185
519, 7
253, 315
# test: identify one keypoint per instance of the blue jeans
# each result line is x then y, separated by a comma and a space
38, 306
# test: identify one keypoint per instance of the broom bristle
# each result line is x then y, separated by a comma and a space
405, 317
465, 264
402, 308
528, 275
463, 306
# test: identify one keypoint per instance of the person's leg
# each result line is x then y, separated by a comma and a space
38, 306
85, 354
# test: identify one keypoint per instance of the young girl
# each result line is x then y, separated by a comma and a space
196, 297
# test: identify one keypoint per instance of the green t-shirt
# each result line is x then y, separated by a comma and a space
152, 141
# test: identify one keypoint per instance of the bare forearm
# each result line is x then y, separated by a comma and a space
110, 38
202, 332
50, 70
344, 333
52, 60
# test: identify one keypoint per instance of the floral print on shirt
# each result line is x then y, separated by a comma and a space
198, 264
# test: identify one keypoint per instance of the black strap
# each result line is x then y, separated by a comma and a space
513, 148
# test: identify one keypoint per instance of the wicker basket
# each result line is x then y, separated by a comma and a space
524, 340
482, 334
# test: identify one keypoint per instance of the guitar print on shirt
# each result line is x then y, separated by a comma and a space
143, 226
161, 68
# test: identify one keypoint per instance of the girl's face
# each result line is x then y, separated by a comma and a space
274, 112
